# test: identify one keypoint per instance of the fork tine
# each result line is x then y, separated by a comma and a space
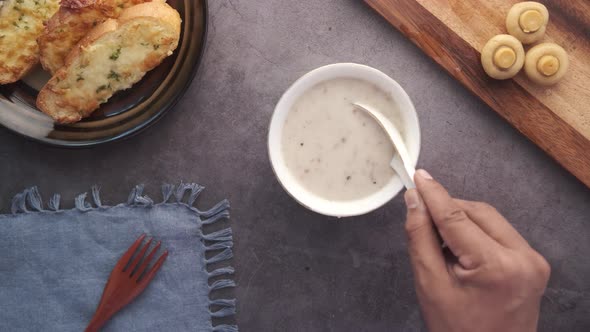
129, 253
138, 257
137, 274
152, 272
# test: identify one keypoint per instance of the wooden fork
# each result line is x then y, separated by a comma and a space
126, 282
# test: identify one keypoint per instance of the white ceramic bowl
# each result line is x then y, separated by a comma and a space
286, 178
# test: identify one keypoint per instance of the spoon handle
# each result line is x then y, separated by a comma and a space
406, 174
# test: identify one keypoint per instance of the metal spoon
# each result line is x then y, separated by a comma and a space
401, 162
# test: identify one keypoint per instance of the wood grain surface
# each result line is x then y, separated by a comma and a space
452, 33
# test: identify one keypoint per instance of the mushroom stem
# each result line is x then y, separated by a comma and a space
504, 57
531, 21
548, 65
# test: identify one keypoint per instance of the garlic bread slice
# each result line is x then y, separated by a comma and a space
73, 20
112, 57
21, 22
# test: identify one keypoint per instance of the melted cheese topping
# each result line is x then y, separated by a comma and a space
21, 22
114, 62
58, 41
70, 27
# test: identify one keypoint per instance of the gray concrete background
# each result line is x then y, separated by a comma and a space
298, 271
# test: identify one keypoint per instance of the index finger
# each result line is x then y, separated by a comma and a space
493, 223
465, 239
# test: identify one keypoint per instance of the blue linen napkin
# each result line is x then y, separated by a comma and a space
54, 263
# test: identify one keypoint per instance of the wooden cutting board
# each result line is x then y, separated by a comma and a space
453, 32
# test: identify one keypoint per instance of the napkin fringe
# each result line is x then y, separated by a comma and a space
221, 284
34, 199
181, 190
19, 203
220, 246
136, 197
221, 235
30, 201
53, 204
225, 328
217, 212
222, 256
219, 207
223, 303
96, 195
81, 203
195, 190
215, 218
221, 242
167, 190
228, 307
224, 312
221, 271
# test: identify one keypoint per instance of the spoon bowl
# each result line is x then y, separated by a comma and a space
401, 162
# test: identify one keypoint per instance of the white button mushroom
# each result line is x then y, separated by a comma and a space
546, 63
527, 21
502, 57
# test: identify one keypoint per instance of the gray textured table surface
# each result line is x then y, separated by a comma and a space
298, 271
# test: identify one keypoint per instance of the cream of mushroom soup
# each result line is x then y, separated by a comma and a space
334, 150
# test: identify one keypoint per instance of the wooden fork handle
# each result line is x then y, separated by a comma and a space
98, 321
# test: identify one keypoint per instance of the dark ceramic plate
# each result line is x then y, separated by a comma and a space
127, 112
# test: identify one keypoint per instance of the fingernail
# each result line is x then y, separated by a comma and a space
412, 199
423, 174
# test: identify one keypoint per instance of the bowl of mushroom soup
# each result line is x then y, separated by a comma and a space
329, 156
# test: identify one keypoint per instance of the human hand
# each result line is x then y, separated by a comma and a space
487, 279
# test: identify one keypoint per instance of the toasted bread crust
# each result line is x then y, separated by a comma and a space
73, 20
76, 4
113, 56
